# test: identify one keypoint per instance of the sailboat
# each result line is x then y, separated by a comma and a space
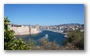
46, 36
65, 36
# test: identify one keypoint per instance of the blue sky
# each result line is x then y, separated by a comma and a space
44, 14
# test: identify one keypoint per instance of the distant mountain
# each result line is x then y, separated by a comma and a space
70, 24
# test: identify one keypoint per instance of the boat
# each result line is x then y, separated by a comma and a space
65, 36
46, 36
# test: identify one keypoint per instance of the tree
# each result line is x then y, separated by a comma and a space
76, 38
10, 42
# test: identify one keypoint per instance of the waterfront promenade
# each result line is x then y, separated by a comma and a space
58, 31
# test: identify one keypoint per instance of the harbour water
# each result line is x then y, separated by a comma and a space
52, 36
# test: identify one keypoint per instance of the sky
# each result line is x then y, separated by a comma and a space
44, 14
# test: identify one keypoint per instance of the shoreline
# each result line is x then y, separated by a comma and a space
20, 34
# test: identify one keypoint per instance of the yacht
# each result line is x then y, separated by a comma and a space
46, 36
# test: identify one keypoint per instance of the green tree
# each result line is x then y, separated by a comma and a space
10, 42
31, 43
76, 38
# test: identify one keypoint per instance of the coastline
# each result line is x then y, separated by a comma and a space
26, 33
